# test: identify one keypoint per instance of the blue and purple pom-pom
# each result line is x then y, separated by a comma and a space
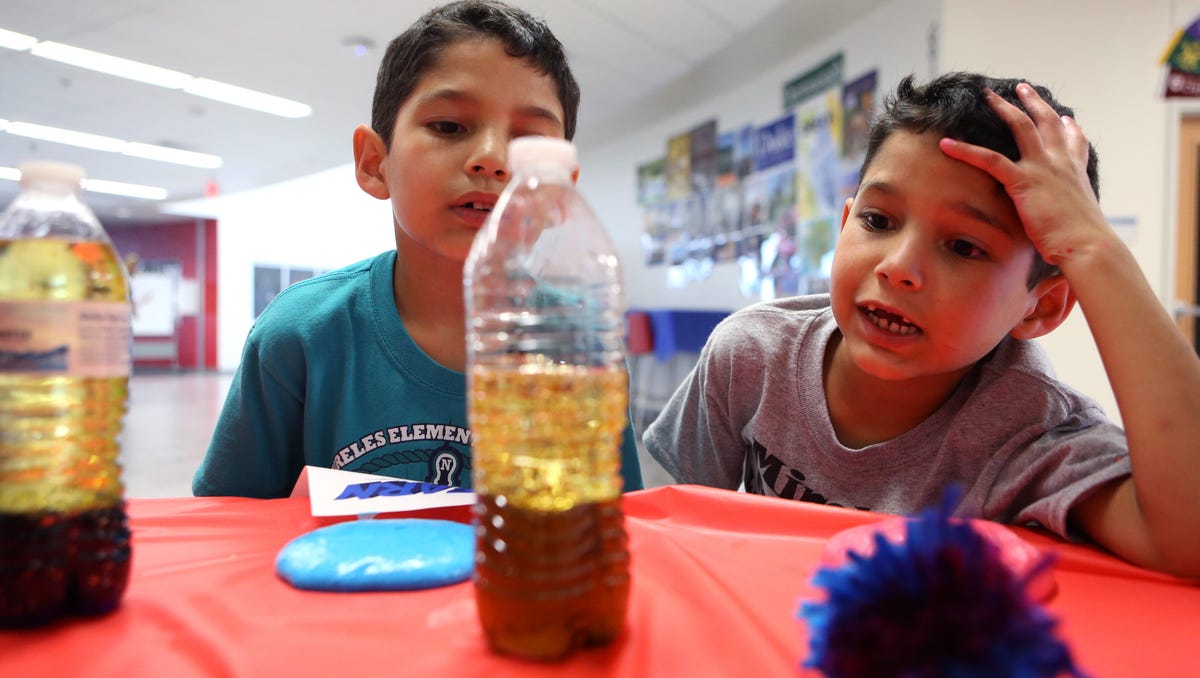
940, 603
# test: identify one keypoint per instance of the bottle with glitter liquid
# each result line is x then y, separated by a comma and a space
547, 403
65, 339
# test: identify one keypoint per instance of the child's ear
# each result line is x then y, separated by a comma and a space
369, 152
846, 212
1054, 301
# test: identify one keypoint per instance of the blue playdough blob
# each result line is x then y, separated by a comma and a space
400, 554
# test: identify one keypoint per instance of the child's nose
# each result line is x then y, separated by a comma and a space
901, 266
490, 158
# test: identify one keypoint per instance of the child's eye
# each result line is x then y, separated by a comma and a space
446, 127
966, 250
874, 222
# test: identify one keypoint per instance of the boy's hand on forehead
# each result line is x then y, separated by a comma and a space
1049, 184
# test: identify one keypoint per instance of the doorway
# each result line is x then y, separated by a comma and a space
1187, 244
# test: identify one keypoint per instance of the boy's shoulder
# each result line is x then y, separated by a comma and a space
770, 323
786, 307
771, 313
1018, 374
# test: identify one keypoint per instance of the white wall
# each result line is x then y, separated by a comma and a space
1099, 56
322, 221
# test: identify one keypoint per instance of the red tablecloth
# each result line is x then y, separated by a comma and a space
717, 577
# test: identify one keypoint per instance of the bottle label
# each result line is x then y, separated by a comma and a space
70, 338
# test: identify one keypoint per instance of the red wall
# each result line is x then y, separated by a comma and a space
194, 245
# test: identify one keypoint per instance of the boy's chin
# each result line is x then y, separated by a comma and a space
895, 369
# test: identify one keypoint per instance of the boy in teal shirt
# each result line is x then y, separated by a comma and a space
362, 368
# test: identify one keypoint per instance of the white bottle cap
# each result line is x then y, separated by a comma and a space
527, 152
47, 172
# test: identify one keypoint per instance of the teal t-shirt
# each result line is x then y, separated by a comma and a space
330, 377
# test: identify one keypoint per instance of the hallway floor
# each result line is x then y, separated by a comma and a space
170, 420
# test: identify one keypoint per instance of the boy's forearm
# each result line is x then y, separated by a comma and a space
1155, 376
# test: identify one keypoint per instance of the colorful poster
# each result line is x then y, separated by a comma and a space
858, 106
725, 215
679, 166
769, 209
769, 235
1182, 60
743, 151
818, 149
154, 297
726, 172
655, 220
820, 186
767, 197
652, 182
735, 162
703, 144
775, 143
815, 82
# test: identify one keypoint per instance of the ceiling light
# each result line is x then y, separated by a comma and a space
155, 75
124, 68
167, 154
359, 45
122, 188
65, 136
102, 186
248, 98
111, 144
17, 41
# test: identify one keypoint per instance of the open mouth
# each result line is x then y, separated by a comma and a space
484, 207
890, 322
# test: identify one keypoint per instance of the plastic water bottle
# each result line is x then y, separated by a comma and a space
65, 358
547, 403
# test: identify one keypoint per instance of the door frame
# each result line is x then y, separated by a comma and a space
1187, 221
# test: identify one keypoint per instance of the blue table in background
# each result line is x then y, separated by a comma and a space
677, 331
674, 338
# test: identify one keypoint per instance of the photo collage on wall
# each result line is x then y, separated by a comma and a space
766, 198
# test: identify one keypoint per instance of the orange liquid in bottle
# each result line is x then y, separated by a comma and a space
551, 560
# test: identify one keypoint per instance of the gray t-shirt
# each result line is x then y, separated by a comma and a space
1023, 446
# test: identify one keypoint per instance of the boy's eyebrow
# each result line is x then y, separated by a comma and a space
962, 207
448, 94
972, 212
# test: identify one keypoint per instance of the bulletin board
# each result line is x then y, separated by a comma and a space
154, 294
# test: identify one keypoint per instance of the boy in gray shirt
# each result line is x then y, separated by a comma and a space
975, 228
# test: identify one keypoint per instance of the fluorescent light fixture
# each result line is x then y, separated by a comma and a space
122, 188
124, 68
111, 144
175, 155
155, 75
65, 136
247, 98
17, 41
102, 186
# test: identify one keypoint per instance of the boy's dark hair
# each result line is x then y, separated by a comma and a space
417, 49
953, 105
